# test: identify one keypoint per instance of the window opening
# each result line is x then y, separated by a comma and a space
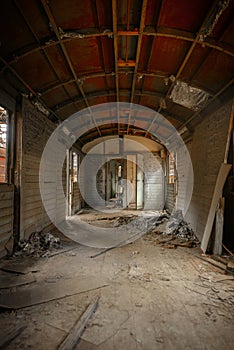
171, 168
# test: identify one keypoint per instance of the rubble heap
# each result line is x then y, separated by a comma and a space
179, 227
38, 244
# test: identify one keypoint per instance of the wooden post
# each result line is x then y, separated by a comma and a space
219, 220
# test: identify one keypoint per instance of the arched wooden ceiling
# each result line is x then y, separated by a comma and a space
73, 54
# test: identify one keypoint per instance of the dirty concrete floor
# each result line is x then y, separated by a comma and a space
150, 298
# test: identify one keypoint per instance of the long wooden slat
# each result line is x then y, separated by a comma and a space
73, 337
222, 175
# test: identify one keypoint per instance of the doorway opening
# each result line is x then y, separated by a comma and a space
124, 182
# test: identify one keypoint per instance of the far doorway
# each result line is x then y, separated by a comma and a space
125, 181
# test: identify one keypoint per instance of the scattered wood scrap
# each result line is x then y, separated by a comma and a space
170, 242
230, 266
73, 337
227, 250
10, 335
215, 263
126, 241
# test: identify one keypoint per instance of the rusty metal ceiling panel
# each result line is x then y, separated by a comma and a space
73, 14
58, 63
186, 15
199, 56
104, 12
167, 54
158, 84
220, 68
15, 33
55, 97
111, 82
30, 68
125, 81
34, 16
153, 10
146, 46
72, 90
94, 84
84, 55
228, 36
108, 53
66, 112
97, 100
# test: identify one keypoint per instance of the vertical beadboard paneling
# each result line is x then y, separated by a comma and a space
153, 182
170, 197
36, 130
6, 215
207, 153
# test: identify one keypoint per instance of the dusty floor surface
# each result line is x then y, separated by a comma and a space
150, 298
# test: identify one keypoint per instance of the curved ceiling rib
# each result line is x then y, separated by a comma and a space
104, 93
148, 31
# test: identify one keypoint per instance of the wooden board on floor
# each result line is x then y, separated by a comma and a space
9, 280
222, 175
21, 266
43, 293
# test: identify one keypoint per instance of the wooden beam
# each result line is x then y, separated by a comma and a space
219, 221
115, 34
138, 52
230, 133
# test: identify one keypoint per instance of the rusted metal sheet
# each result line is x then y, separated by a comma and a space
36, 71
84, 55
171, 54
220, 73
171, 14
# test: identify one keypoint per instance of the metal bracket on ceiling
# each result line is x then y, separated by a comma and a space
213, 19
71, 34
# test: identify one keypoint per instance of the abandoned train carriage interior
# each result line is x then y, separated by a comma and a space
116, 174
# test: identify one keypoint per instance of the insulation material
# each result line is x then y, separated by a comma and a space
188, 96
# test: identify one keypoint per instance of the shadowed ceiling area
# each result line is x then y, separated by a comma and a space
175, 57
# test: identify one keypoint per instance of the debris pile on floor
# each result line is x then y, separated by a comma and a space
175, 228
39, 244
174, 225
137, 272
144, 222
124, 220
178, 226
